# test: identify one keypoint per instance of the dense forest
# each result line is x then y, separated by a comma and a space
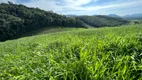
102, 20
19, 19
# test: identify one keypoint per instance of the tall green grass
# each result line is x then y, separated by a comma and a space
84, 54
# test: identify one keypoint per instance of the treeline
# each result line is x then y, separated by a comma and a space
101, 20
16, 20
19, 19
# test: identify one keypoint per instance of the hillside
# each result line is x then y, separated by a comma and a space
102, 21
16, 20
114, 15
133, 17
83, 54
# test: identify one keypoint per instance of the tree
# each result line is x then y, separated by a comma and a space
9, 2
19, 19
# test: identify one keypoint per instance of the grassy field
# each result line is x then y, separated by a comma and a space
47, 30
82, 54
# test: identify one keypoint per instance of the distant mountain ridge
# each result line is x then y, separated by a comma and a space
71, 15
133, 16
102, 20
113, 15
17, 19
129, 17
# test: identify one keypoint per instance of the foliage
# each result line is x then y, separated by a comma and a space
84, 54
19, 19
101, 21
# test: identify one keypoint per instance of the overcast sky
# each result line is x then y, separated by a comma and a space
85, 7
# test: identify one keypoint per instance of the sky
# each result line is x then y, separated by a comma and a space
85, 7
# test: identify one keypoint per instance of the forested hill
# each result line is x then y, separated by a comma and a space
19, 19
102, 20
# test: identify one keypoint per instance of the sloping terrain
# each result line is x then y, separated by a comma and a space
16, 20
133, 17
84, 54
102, 21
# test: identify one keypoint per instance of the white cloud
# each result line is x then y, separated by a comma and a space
76, 6
95, 0
43, 4
76, 3
5, 1
58, 6
116, 5
120, 5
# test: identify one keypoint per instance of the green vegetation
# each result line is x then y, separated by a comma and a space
102, 21
16, 20
83, 54
48, 30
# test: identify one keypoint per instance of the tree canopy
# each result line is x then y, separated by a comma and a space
19, 19
101, 20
